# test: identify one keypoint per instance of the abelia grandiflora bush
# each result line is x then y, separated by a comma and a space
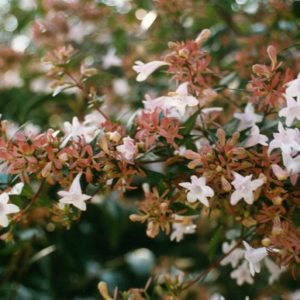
198, 153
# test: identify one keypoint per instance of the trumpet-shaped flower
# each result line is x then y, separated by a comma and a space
293, 88
292, 111
111, 59
256, 138
254, 257
242, 274
244, 188
75, 130
16, 189
6, 209
288, 140
198, 190
145, 70
183, 225
175, 104
127, 149
292, 164
181, 99
234, 257
249, 118
274, 270
74, 196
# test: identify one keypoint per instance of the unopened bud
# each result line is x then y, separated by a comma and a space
146, 188
63, 157
164, 207
266, 242
261, 70
152, 229
46, 170
226, 186
137, 218
183, 53
103, 290
280, 173
277, 200
114, 136
272, 52
172, 45
277, 228
203, 36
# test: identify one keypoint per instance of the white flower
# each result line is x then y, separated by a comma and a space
274, 270
292, 111
288, 140
127, 149
248, 118
198, 190
256, 138
75, 130
293, 88
28, 129
216, 296
183, 225
111, 59
292, 165
6, 209
242, 274
244, 188
74, 196
180, 151
181, 99
121, 87
280, 173
254, 257
145, 70
16, 189
234, 257
175, 104
94, 119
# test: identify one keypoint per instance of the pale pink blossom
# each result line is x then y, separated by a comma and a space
181, 99
256, 138
74, 196
16, 189
280, 173
175, 104
6, 209
111, 59
275, 271
198, 190
182, 225
254, 256
242, 274
244, 188
76, 130
94, 119
249, 118
127, 149
288, 140
293, 87
145, 70
234, 257
292, 111
292, 165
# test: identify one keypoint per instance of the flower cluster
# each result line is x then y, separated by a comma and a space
193, 152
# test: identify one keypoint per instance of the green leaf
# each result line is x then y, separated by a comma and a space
189, 124
213, 243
